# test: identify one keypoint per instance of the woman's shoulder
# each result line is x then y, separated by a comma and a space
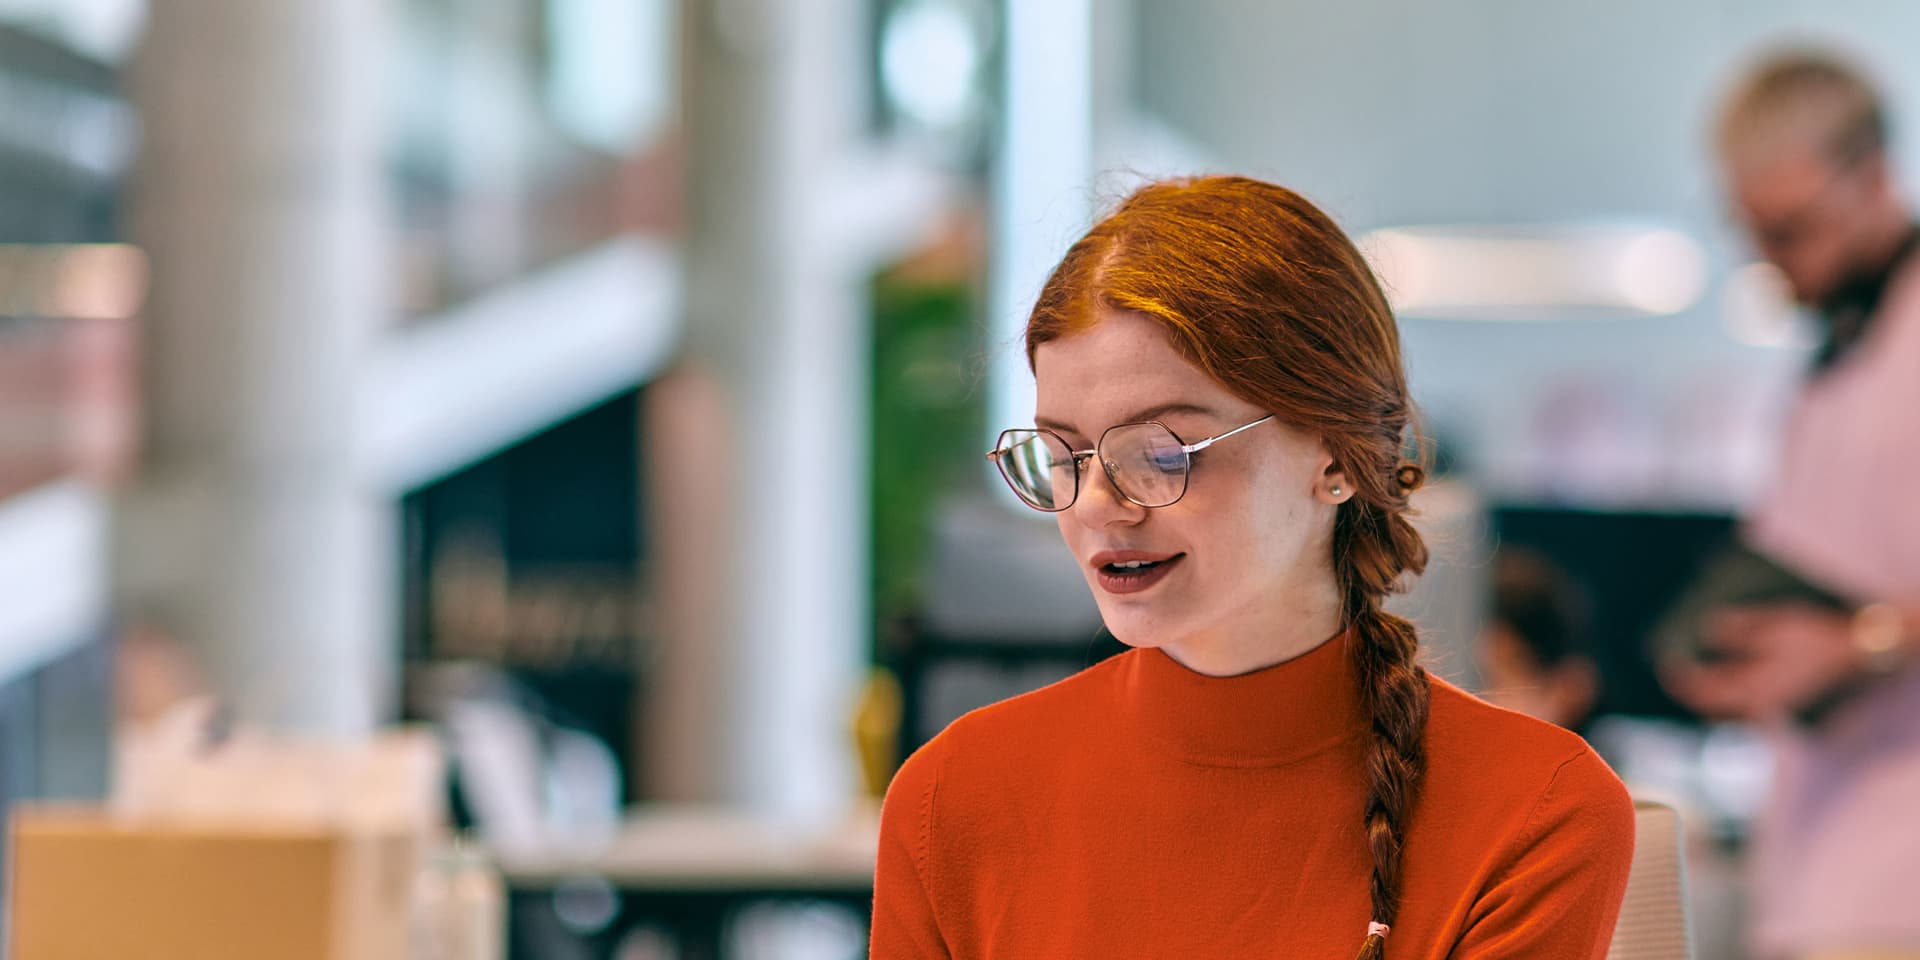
1487, 765
1059, 709
1032, 729
1458, 720
1528, 821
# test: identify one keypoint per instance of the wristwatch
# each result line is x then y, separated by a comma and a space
1880, 638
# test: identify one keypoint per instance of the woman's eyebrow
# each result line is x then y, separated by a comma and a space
1150, 413
1156, 412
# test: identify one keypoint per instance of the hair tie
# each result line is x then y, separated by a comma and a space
1377, 929
1411, 478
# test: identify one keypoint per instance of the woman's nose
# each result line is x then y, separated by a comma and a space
1101, 503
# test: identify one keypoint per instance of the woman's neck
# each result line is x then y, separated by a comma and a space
1299, 620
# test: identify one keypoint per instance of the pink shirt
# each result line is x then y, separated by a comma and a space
1836, 855
1845, 505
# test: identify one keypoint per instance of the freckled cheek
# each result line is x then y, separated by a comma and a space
1216, 532
1067, 536
1266, 534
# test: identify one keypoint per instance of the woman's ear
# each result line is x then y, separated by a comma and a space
1333, 487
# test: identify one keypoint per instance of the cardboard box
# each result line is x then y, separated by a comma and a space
87, 887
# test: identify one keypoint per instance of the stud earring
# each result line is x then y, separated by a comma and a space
1335, 491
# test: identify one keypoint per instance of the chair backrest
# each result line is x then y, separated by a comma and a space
1653, 918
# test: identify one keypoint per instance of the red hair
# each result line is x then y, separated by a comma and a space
1260, 289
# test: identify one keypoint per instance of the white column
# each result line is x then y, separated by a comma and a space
249, 533
1043, 162
763, 584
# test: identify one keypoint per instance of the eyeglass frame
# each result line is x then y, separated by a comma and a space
1783, 234
1080, 457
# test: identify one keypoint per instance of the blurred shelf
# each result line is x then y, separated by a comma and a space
709, 850
440, 395
449, 390
452, 389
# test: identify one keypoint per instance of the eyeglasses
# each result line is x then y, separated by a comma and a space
1775, 236
1147, 462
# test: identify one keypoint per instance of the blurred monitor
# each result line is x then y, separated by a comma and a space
1633, 566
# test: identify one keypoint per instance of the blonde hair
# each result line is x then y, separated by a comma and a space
1798, 100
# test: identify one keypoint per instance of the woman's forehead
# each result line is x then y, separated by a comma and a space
1115, 369
1119, 342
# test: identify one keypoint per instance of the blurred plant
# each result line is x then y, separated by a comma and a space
927, 422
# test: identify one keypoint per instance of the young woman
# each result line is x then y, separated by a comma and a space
1268, 773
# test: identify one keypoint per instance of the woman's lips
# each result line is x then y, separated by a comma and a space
1131, 571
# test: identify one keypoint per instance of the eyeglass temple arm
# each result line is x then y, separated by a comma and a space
1189, 448
1210, 441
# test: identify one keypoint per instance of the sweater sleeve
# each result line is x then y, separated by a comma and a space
1558, 891
904, 925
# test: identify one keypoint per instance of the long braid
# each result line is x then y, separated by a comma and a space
1374, 546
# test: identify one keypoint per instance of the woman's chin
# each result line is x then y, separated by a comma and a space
1134, 630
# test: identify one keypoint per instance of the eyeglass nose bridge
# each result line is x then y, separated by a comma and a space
1081, 476
1111, 469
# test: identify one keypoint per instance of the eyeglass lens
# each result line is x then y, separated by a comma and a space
1145, 461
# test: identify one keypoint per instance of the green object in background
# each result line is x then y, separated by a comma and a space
927, 421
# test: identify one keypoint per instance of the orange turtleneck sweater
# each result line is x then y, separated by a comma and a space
1140, 809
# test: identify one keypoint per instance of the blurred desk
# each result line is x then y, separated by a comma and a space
690, 869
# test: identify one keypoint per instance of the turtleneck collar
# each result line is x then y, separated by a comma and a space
1278, 714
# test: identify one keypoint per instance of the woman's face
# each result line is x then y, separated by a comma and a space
1241, 561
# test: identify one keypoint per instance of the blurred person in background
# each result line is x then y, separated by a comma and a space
1221, 414
152, 673
1533, 651
1810, 636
